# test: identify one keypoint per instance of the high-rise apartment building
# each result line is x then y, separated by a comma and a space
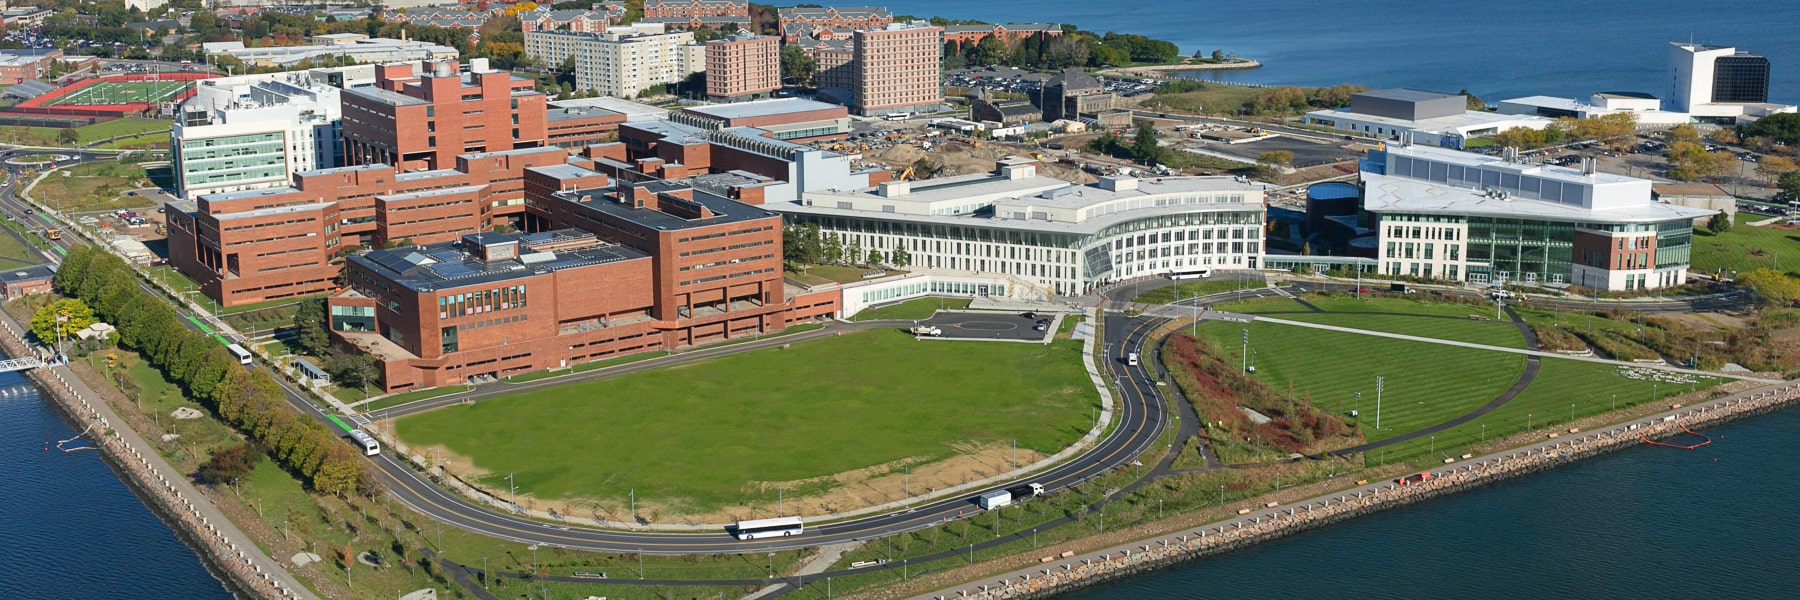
425, 121
897, 69
743, 67
623, 61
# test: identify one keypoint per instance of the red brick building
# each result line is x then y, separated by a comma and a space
627, 267
579, 127
687, 9
743, 67
969, 35
426, 121
849, 17
257, 245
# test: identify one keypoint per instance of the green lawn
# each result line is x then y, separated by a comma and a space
1426, 383
843, 274
1745, 248
1183, 291
405, 397
910, 310
47, 136
693, 436
1590, 387
11, 247
1490, 333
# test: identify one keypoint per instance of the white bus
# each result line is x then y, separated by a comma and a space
243, 356
762, 528
1190, 274
369, 445
901, 116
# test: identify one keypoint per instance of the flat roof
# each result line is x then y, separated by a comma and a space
267, 212
1406, 94
449, 265
1383, 193
1690, 189
762, 108
564, 113
1469, 119
1034, 192
633, 111
383, 96
725, 210
1471, 159
28, 273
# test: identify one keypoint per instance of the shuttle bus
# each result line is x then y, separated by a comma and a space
1186, 274
762, 528
242, 355
369, 445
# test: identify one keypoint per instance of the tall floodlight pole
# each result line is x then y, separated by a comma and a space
1380, 383
1245, 368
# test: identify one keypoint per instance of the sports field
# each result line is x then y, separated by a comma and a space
694, 438
122, 92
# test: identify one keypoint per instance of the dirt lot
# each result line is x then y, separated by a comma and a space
962, 159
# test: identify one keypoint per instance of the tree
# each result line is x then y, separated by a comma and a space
1772, 288
1689, 161
989, 51
853, 252
800, 244
1772, 167
352, 370
1617, 131
1784, 128
1218, 55
796, 65
1718, 224
900, 258
1273, 164
228, 465
61, 318
310, 333
1144, 148
832, 249
68, 137
1682, 133
874, 257
1790, 185
1474, 102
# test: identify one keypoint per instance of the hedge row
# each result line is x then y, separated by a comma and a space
250, 401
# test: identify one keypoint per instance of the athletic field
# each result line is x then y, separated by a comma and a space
122, 92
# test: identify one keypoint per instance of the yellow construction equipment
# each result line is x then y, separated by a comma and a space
904, 175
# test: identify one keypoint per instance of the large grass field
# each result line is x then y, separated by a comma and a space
695, 436
47, 136
1425, 384
910, 310
1746, 248
1490, 333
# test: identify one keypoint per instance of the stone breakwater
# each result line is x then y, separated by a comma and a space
225, 549
1059, 574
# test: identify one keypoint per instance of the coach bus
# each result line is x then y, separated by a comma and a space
762, 528
369, 445
238, 352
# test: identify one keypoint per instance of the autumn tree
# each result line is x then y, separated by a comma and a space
1689, 161
1772, 288
61, 319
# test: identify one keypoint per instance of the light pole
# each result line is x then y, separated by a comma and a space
1196, 331
485, 576
1245, 368
1571, 412
1434, 444
634, 504
1380, 384
513, 489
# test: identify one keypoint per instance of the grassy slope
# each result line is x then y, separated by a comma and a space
699, 432
911, 310
1731, 250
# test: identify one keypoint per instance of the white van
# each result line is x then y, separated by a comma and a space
1131, 360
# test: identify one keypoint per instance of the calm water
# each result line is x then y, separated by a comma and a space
1644, 523
69, 528
1497, 50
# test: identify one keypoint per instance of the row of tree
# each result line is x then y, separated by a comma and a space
802, 244
1073, 48
249, 401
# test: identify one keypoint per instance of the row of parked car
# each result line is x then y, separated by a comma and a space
130, 217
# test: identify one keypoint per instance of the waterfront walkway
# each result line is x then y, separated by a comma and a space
169, 484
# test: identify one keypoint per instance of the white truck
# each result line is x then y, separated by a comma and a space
993, 500
927, 330
1029, 490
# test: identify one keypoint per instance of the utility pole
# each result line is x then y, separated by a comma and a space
1245, 367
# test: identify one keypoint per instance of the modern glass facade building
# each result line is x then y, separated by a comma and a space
1442, 214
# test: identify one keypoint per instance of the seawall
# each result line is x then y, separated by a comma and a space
1061, 574
227, 552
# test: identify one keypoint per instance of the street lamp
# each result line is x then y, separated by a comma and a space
1380, 384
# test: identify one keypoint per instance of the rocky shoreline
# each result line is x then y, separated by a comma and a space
246, 571
1061, 574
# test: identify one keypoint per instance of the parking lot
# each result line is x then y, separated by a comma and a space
994, 326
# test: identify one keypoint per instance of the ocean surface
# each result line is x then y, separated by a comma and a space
69, 528
1497, 50
1649, 522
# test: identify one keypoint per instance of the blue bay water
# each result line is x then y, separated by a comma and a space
1648, 522
1496, 50
69, 528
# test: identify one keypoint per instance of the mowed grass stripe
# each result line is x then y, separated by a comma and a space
1490, 333
1426, 383
694, 435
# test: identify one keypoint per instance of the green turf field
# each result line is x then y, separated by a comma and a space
122, 92
1426, 383
1746, 248
694, 435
